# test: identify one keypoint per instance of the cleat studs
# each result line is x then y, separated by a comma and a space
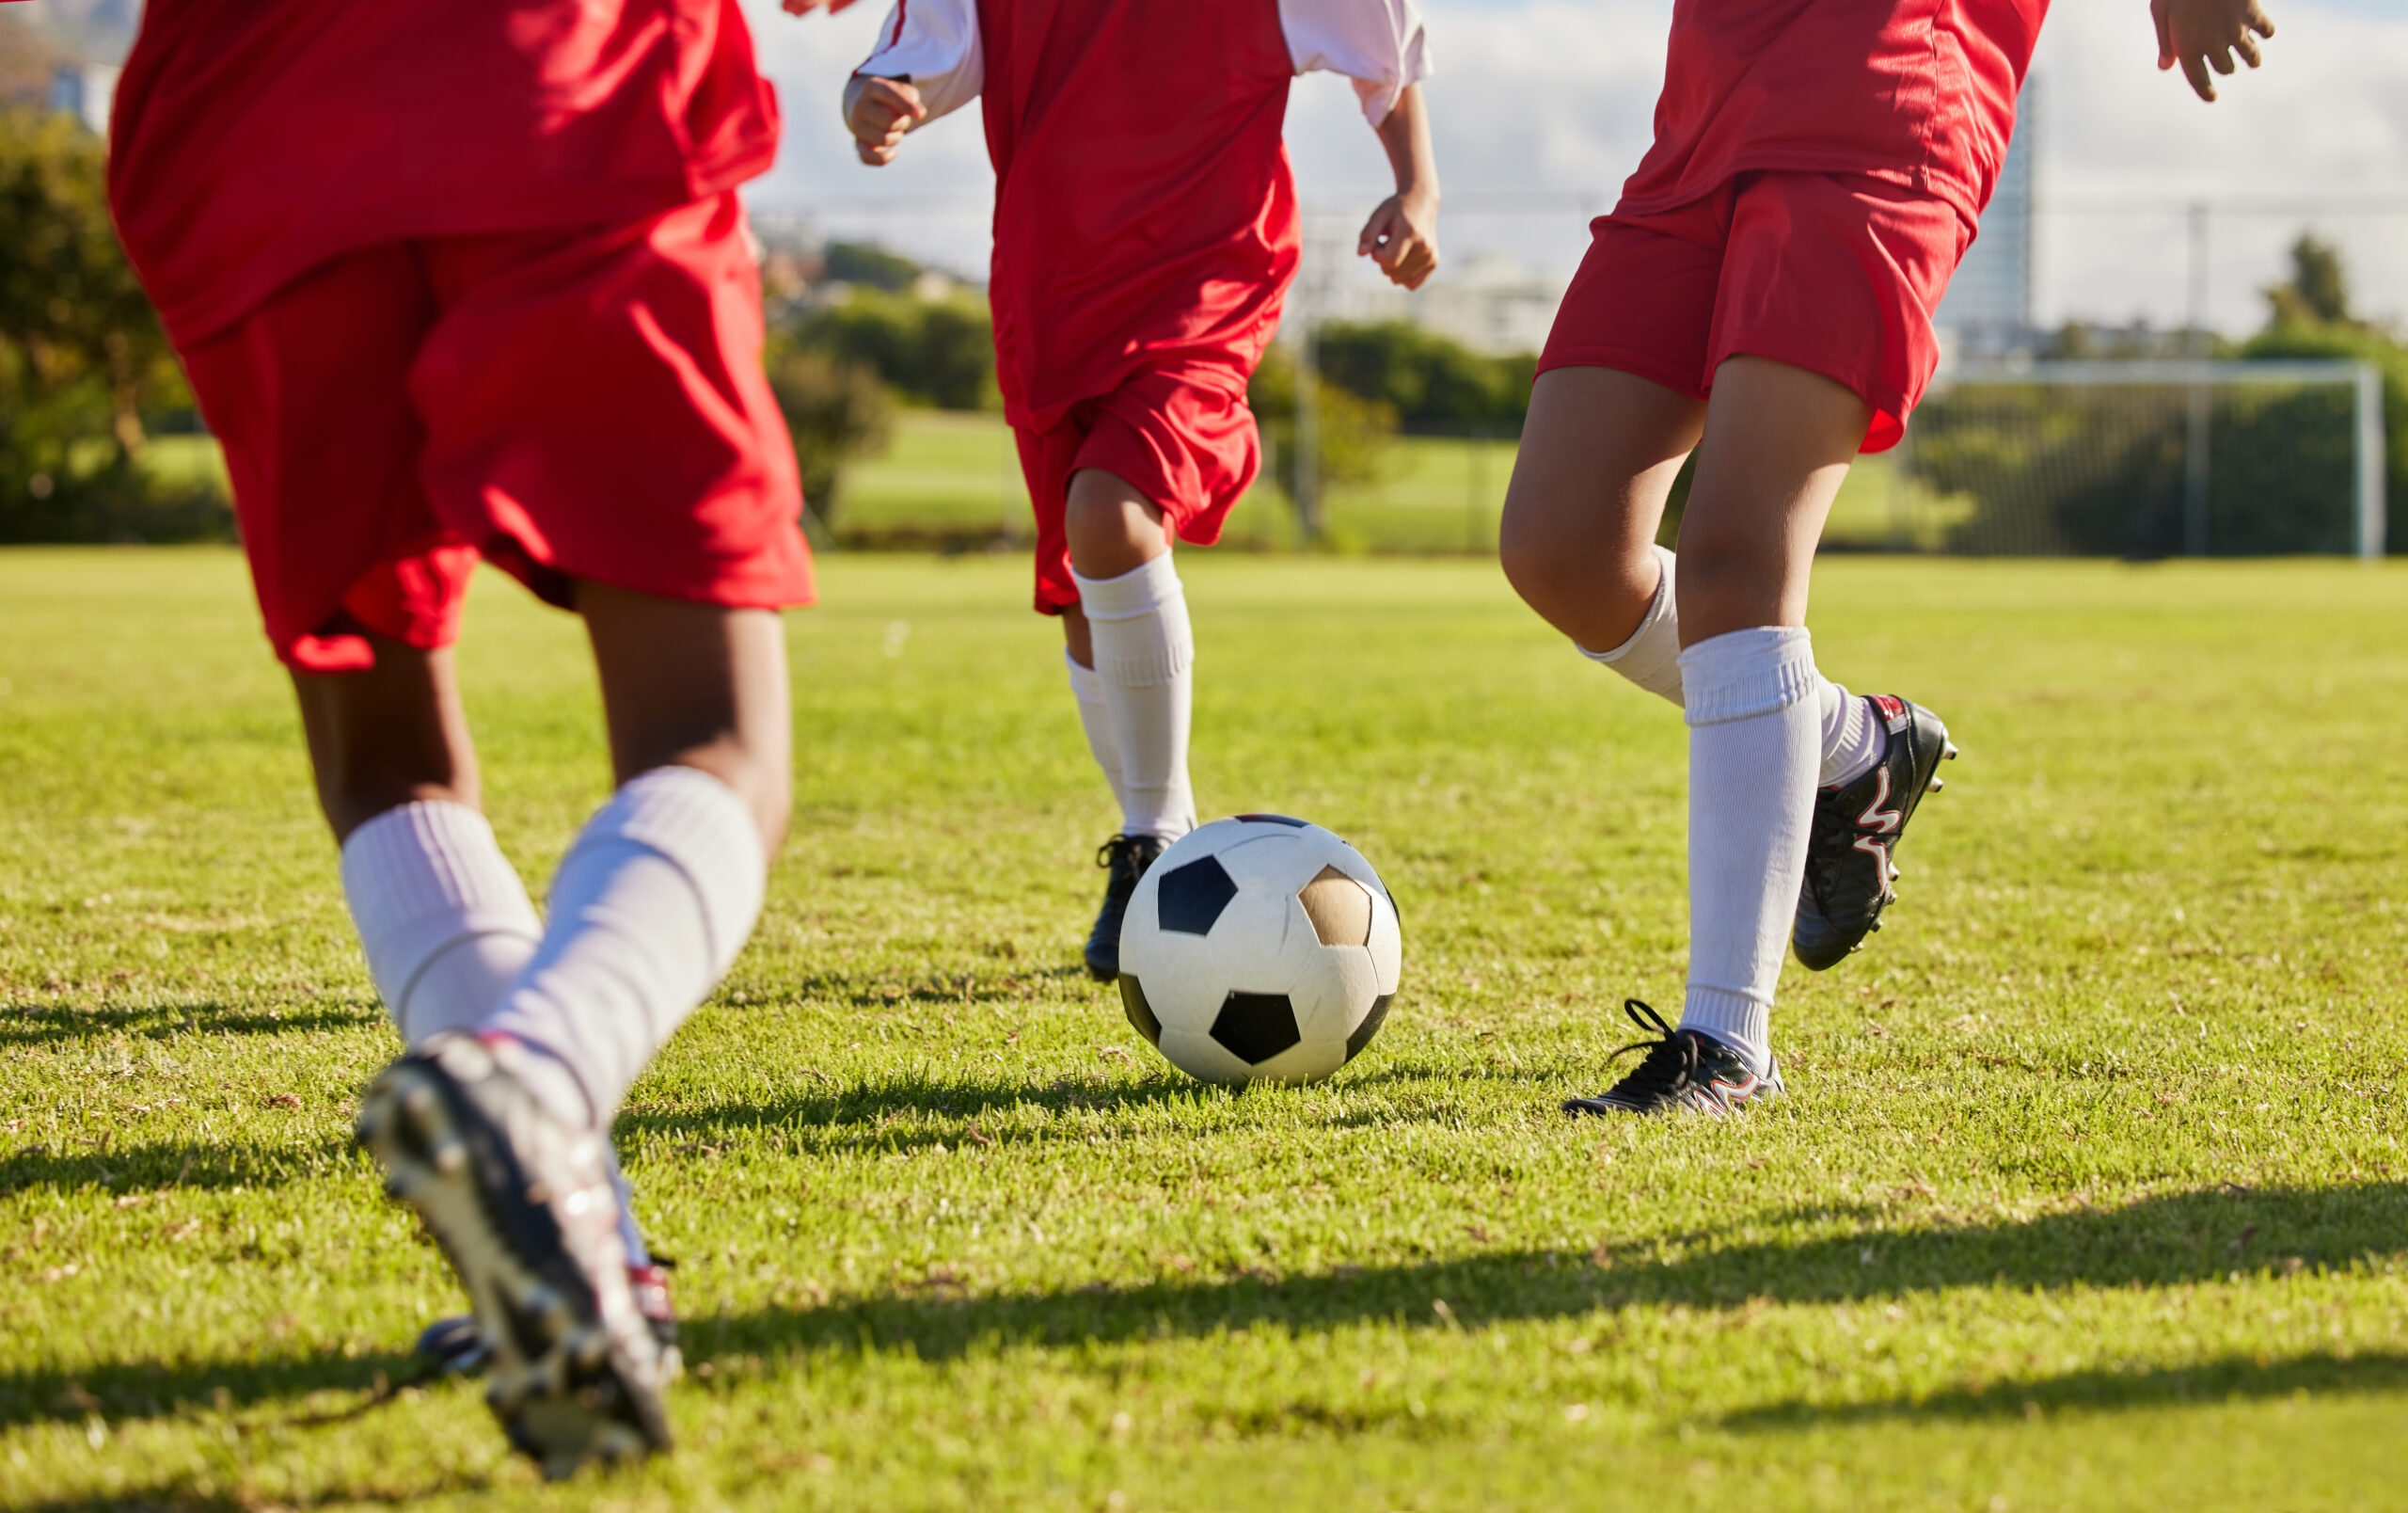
592, 1349
449, 1157
1936, 786
1950, 753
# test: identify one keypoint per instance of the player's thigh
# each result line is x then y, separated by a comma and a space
1599, 451
1778, 443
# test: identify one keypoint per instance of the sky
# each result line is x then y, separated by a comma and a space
1542, 107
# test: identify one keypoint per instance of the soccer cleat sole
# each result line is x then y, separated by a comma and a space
552, 1384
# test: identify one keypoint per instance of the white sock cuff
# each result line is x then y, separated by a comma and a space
1660, 609
1144, 587
1744, 673
1141, 631
423, 876
1742, 1021
1650, 656
697, 824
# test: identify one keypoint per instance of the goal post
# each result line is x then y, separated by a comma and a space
2146, 460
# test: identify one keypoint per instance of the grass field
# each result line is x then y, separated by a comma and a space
2090, 1193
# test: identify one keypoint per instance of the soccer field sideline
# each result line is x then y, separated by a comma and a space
2090, 1195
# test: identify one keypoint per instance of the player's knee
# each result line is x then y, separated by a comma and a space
1533, 563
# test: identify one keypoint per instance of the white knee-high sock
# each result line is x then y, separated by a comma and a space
1754, 746
1650, 656
1145, 655
444, 919
1854, 736
448, 928
649, 909
1095, 718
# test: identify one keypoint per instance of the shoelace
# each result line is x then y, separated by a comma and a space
1670, 1064
1116, 851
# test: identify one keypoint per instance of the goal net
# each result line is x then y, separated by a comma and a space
2144, 459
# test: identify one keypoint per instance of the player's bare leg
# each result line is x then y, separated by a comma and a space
445, 919
1598, 457
498, 1137
1130, 652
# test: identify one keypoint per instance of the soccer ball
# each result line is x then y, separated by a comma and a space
1259, 949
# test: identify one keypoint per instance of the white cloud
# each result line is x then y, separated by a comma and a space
1557, 96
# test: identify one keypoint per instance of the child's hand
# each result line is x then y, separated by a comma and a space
2203, 34
880, 111
1401, 237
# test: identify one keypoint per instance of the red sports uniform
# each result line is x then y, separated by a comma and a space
1146, 228
465, 278
1818, 171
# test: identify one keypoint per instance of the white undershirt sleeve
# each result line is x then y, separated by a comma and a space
935, 44
1380, 44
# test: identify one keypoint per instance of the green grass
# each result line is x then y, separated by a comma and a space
2090, 1193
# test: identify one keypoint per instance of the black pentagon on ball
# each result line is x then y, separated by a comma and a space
1193, 896
1141, 1014
1368, 1027
1275, 819
1256, 1027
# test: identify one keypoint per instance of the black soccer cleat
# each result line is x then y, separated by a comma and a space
527, 1213
1851, 851
1128, 857
455, 1347
1682, 1070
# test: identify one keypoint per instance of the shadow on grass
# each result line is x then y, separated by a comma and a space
169, 1164
49, 1023
2231, 1379
850, 1107
2164, 1241
123, 1390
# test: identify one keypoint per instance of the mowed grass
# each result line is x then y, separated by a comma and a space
2089, 1194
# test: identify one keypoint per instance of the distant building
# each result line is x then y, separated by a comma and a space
1987, 312
85, 91
1491, 303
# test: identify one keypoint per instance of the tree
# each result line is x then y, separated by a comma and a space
837, 411
939, 352
82, 354
1430, 382
1353, 433
859, 262
2318, 291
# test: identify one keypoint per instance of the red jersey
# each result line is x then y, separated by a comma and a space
1144, 215
361, 124
1918, 93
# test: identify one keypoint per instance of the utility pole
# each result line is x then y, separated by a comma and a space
2195, 449
1304, 308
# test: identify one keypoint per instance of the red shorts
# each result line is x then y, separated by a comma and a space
1189, 446
1838, 274
579, 403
